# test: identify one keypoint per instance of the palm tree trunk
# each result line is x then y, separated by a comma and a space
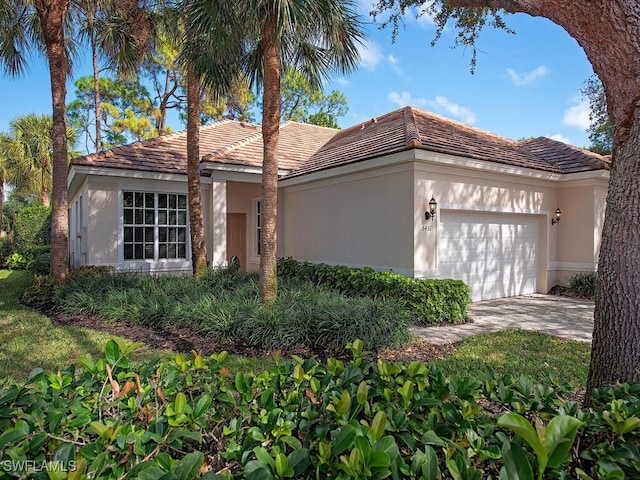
45, 192
52, 14
96, 92
270, 133
196, 223
1, 200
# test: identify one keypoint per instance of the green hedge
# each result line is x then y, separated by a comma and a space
429, 301
186, 418
32, 229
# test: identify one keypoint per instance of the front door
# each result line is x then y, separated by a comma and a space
236, 238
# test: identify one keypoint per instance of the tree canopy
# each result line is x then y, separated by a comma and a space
600, 129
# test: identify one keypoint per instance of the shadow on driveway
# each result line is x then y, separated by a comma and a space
560, 316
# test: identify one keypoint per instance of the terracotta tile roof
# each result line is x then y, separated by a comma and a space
298, 141
227, 142
409, 128
309, 148
567, 158
168, 153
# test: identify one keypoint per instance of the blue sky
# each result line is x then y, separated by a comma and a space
525, 85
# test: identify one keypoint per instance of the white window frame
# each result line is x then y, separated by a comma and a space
153, 230
257, 226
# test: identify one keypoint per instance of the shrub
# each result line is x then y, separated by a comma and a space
40, 265
32, 228
583, 284
225, 304
6, 249
182, 417
427, 301
16, 261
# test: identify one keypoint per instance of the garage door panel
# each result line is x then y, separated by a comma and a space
495, 254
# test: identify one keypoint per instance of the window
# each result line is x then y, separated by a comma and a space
155, 226
258, 206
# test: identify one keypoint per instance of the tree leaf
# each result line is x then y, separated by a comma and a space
516, 464
344, 439
378, 425
189, 466
180, 403
561, 433
112, 352
202, 404
299, 461
522, 427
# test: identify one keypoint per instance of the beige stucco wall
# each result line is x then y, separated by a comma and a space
240, 199
583, 205
358, 219
102, 223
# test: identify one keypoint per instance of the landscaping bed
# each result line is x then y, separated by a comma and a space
184, 340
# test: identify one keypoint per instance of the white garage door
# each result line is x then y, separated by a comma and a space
495, 254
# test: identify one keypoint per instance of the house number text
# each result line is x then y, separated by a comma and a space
426, 228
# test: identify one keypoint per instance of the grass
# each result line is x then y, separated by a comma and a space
539, 356
29, 340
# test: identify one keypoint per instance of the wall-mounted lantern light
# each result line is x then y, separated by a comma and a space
431, 213
557, 219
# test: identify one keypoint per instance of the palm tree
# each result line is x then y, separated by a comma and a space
29, 155
211, 57
313, 36
118, 31
5, 141
39, 25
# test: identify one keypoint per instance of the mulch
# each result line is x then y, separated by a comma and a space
184, 340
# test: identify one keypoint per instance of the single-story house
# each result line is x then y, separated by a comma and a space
409, 192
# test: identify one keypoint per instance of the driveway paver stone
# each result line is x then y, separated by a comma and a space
565, 317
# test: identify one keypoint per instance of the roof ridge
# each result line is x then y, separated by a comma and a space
411, 134
293, 122
150, 141
234, 146
464, 126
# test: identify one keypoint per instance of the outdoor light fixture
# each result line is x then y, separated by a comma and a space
433, 207
557, 219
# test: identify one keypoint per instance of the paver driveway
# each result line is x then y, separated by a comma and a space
560, 316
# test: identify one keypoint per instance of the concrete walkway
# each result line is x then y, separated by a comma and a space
560, 316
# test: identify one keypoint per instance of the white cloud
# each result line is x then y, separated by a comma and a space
577, 115
395, 64
521, 79
364, 7
370, 55
559, 138
420, 16
341, 81
404, 99
443, 104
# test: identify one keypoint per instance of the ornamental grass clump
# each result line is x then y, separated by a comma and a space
225, 304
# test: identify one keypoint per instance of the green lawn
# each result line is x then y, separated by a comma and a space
29, 340
515, 352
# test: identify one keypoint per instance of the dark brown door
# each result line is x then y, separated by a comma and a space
236, 238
